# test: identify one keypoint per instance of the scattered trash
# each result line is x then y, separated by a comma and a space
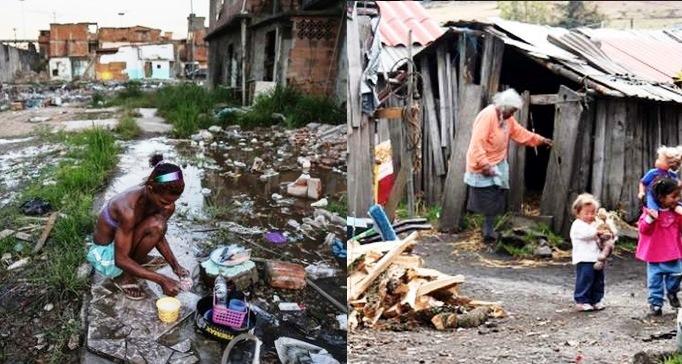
84, 270
272, 320
285, 275
257, 165
338, 248
343, 321
296, 351
183, 346
35, 207
321, 270
321, 203
215, 129
289, 306
38, 119
205, 191
239, 229
203, 135
277, 196
18, 264
48, 307
275, 237
74, 342
294, 224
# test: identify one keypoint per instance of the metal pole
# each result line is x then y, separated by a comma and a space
410, 93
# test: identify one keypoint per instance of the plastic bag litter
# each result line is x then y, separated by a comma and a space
320, 270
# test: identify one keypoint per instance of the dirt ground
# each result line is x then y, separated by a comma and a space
541, 327
16, 123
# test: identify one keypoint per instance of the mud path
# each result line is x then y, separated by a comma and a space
541, 327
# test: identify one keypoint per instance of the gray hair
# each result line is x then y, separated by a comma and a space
508, 98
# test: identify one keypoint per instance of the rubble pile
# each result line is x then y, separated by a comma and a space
325, 144
389, 288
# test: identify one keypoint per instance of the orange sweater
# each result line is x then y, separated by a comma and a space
489, 141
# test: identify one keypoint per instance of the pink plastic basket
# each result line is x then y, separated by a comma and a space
225, 316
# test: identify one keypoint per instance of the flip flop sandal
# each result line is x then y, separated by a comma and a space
155, 263
123, 287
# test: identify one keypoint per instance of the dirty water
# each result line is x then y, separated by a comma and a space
237, 198
23, 163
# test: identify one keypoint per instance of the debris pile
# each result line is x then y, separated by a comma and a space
324, 144
389, 288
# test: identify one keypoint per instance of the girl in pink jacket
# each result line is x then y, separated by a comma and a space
660, 247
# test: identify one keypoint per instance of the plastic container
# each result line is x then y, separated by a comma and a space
228, 317
168, 309
237, 305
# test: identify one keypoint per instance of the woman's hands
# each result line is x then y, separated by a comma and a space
181, 272
548, 142
170, 286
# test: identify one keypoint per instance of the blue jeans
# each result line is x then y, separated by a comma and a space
663, 274
589, 283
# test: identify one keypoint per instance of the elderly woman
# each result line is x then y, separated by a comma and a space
487, 170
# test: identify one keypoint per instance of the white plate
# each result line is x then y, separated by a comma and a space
241, 258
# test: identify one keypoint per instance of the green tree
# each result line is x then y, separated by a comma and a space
535, 12
577, 14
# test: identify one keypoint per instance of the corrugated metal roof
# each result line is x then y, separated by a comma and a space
392, 58
398, 17
652, 55
595, 63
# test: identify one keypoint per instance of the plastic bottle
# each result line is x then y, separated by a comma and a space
220, 290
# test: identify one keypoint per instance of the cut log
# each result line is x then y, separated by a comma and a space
361, 287
474, 318
439, 284
443, 321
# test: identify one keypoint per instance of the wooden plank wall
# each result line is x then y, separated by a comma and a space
626, 137
360, 127
470, 101
517, 161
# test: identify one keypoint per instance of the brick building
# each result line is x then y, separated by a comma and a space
255, 44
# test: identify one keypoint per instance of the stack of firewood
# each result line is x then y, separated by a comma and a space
389, 288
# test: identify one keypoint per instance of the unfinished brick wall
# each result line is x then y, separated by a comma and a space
312, 59
130, 34
68, 40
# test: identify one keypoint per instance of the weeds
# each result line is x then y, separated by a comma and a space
127, 127
431, 213
673, 359
298, 108
92, 156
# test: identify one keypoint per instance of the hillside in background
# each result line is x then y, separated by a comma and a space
619, 14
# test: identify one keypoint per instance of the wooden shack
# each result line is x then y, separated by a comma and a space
605, 120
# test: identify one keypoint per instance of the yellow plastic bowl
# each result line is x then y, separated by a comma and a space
168, 308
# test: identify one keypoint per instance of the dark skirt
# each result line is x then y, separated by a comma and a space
487, 200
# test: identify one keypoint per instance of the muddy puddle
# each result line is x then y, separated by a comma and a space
22, 160
225, 203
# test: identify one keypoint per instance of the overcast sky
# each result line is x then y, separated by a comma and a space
167, 15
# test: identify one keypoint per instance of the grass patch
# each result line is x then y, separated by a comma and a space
431, 213
298, 108
127, 127
91, 158
626, 244
673, 359
189, 107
